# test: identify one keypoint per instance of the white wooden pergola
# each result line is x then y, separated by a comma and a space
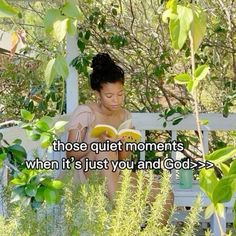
72, 92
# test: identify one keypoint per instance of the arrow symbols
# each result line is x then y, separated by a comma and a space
201, 164
186, 164
209, 164
193, 165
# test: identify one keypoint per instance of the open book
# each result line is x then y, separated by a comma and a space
129, 135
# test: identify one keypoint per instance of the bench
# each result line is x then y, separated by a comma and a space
152, 121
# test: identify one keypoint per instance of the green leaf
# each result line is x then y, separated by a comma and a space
26, 115
47, 182
45, 140
232, 169
59, 126
198, 27
170, 112
210, 210
182, 79
180, 110
57, 184
179, 27
51, 16
29, 172
18, 181
234, 210
17, 141
168, 14
72, 10
171, 4
164, 124
61, 66
177, 120
60, 29
81, 45
31, 190
3, 156
225, 168
7, 10
42, 126
47, 119
224, 189
40, 194
201, 72
114, 11
71, 26
35, 137
220, 209
221, 155
87, 35
27, 127
18, 151
207, 181
204, 121
190, 86
18, 193
56, 24
50, 195
50, 72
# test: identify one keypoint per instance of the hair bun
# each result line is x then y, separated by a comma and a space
102, 62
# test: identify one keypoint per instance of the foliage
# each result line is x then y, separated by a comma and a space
21, 87
218, 190
136, 38
135, 35
13, 154
43, 129
32, 187
192, 218
93, 214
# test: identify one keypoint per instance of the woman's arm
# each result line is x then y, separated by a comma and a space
123, 155
73, 137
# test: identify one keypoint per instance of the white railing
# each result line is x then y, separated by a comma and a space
152, 121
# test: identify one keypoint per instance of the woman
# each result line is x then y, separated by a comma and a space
107, 80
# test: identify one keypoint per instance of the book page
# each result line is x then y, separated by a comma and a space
126, 125
130, 135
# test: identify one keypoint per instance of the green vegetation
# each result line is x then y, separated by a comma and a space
179, 58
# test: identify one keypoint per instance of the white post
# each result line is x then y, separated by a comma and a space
215, 229
173, 155
72, 93
142, 154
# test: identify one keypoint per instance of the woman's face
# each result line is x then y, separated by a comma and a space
112, 95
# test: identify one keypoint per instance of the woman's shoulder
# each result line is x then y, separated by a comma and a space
127, 114
82, 115
83, 108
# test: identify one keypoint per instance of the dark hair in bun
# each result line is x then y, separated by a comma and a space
105, 71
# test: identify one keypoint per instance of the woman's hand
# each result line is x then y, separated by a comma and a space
104, 137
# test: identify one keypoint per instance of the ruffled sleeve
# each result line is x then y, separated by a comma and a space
80, 119
128, 116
